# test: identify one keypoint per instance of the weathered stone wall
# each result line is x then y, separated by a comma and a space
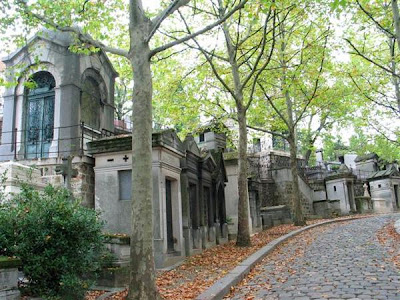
268, 190
283, 195
82, 184
284, 191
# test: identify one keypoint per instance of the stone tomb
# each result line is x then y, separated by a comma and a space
203, 197
385, 190
232, 193
72, 102
70, 89
340, 186
113, 191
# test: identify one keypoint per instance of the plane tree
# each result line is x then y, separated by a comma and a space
124, 29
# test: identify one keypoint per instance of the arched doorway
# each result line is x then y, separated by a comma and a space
39, 123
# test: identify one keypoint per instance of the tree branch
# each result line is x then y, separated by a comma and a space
156, 22
263, 43
370, 98
369, 15
209, 60
316, 81
267, 131
76, 30
196, 48
201, 31
269, 100
268, 60
369, 59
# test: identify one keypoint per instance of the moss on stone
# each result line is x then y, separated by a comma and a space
9, 262
117, 238
230, 155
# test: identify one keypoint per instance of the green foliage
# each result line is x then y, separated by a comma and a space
387, 150
58, 241
333, 148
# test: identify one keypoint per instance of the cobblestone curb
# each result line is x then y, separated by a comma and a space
222, 287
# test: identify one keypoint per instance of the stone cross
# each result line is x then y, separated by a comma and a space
66, 171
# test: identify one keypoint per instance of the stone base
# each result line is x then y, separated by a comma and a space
267, 222
197, 242
212, 236
208, 237
217, 233
363, 204
120, 248
327, 208
221, 233
113, 277
274, 215
224, 230
10, 295
187, 235
382, 206
9, 279
232, 229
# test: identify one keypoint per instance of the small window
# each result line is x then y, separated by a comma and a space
201, 137
334, 188
379, 186
125, 184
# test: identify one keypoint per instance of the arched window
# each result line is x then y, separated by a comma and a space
91, 103
39, 123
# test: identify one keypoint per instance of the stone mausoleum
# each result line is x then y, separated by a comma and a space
61, 101
385, 190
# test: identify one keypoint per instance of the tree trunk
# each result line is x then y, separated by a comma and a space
298, 217
142, 271
243, 236
396, 20
395, 79
307, 156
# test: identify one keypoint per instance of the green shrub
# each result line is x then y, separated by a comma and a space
58, 241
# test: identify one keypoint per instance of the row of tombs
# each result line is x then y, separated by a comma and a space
64, 127
188, 193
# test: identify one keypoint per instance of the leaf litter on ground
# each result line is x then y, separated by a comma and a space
201, 271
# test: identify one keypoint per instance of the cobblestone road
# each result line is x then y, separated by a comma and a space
341, 261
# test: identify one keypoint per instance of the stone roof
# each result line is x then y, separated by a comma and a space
165, 138
63, 39
384, 173
366, 157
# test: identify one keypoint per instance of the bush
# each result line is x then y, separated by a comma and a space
58, 241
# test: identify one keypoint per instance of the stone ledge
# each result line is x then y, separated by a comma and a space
9, 262
222, 287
